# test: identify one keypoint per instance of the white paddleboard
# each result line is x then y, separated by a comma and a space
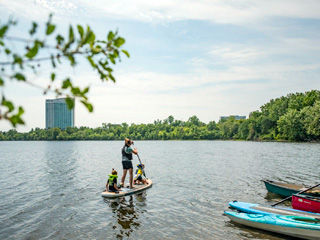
128, 191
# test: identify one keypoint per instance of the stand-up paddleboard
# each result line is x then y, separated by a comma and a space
128, 191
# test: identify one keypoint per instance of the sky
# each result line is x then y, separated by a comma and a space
208, 58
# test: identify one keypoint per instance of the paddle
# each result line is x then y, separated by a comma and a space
140, 162
142, 167
296, 193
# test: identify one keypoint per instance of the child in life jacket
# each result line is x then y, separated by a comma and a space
140, 175
112, 182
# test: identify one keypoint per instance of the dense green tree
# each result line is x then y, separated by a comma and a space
212, 126
311, 121
290, 126
194, 121
243, 131
170, 119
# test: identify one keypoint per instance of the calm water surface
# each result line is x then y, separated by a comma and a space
52, 190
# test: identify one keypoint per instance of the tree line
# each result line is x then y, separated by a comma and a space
295, 117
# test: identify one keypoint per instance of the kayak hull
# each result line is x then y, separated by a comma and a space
306, 203
268, 210
287, 190
287, 225
128, 191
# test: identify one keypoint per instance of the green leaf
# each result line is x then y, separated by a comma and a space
53, 76
72, 60
1, 82
71, 35
70, 102
7, 51
126, 53
80, 30
32, 52
111, 57
75, 90
110, 36
3, 30
116, 53
66, 83
21, 111
119, 41
105, 66
50, 29
90, 37
15, 119
85, 90
59, 39
17, 60
112, 77
40, 43
88, 106
96, 49
102, 75
7, 104
19, 77
91, 62
33, 29
87, 37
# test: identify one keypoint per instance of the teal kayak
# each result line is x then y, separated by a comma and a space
268, 210
288, 189
296, 226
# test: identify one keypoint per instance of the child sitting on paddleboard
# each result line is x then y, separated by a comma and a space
139, 177
112, 182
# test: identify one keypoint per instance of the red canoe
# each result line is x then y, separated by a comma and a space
306, 203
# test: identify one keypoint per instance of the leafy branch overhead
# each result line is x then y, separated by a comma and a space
53, 50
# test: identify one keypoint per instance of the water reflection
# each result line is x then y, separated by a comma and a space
274, 198
141, 198
127, 211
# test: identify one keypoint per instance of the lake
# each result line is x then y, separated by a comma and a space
52, 190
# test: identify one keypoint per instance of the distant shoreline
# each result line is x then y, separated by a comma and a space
171, 140
291, 118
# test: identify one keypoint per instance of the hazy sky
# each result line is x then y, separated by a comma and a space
207, 58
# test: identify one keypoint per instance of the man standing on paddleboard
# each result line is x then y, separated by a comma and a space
127, 151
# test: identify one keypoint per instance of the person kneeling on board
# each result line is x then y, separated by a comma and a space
139, 177
112, 182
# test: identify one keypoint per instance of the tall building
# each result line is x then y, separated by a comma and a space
58, 114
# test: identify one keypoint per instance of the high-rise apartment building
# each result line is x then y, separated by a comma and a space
58, 114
